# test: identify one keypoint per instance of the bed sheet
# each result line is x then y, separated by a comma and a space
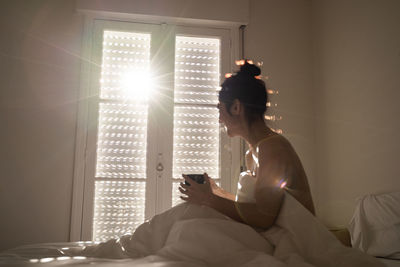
191, 235
56, 254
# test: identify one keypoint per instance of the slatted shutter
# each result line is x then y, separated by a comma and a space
196, 127
119, 200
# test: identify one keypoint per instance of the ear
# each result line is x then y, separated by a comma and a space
236, 107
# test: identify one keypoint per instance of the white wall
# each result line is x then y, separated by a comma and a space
233, 11
336, 65
279, 34
357, 86
39, 81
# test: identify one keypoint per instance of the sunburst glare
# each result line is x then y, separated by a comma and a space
137, 84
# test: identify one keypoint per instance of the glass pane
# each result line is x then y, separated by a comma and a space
197, 66
119, 208
196, 141
196, 127
121, 144
125, 70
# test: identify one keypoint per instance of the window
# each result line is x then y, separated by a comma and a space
120, 172
196, 128
151, 116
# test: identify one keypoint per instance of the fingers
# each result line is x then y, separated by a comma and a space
184, 189
184, 198
185, 186
206, 178
209, 180
186, 178
193, 192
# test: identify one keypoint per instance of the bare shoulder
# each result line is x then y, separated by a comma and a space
274, 160
276, 145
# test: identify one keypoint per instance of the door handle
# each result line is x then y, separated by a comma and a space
159, 167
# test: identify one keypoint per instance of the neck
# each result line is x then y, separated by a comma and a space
256, 132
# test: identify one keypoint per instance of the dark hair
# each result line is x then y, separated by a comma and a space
248, 89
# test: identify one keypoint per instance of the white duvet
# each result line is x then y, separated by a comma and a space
192, 235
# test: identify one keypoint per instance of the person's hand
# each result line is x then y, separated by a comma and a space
215, 188
201, 194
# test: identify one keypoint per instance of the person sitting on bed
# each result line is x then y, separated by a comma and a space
272, 163
215, 228
273, 167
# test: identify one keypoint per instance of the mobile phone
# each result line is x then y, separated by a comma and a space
198, 178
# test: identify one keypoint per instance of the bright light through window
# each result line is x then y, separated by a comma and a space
120, 181
136, 84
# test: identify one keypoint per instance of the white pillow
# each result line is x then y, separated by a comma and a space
375, 226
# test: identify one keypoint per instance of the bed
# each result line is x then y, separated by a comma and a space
192, 235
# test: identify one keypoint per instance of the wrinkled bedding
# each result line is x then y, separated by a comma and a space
192, 235
375, 226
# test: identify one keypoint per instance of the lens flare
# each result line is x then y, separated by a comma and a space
281, 183
137, 84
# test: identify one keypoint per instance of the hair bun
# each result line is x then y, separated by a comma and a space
249, 69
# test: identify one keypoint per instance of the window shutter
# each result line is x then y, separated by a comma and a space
120, 179
196, 128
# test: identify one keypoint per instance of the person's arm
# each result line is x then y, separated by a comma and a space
218, 191
249, 213
253, 214
272, 174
